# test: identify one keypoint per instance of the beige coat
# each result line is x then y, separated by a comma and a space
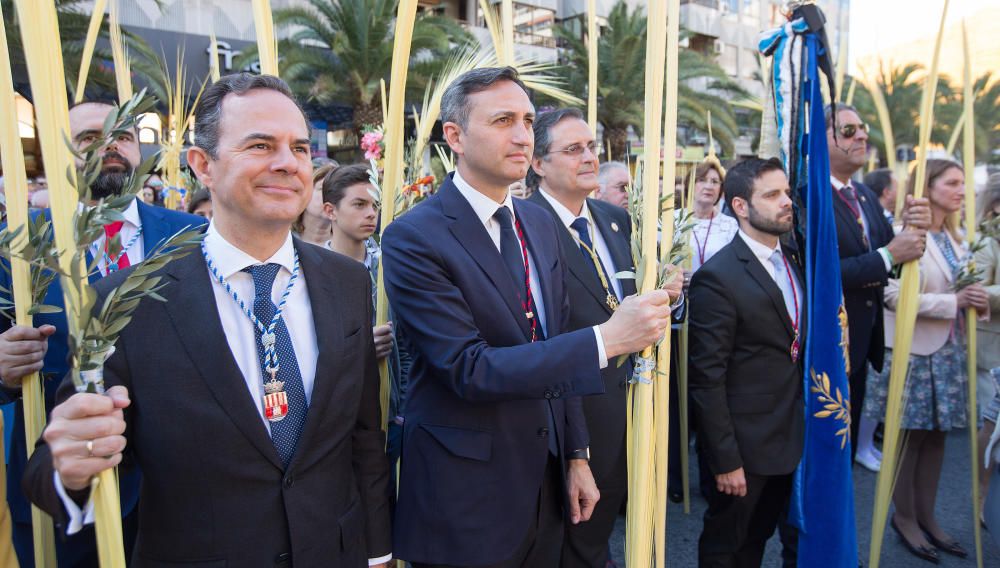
938, 302
988, 343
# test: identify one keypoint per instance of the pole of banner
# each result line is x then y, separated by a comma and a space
32, 395
592, 65
392, 179
661, 383
969, 159
267, 45
96, 17
639, 526
906, 317
43, 55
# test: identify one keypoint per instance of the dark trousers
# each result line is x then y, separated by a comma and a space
586, 543
542, 545
859, 381
737, 528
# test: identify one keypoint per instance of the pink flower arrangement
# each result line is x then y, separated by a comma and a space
371, 143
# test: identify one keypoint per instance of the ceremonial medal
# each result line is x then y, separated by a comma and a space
275, 406
614, 226
795, 349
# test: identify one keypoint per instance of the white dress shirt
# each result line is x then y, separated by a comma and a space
297, 314
600, 245
484, 207
763, 254
130, 227
838, 185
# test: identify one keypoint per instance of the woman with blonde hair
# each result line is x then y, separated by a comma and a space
935, 394
713, 229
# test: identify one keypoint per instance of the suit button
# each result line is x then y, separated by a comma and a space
548, 394
543, 432
288, 482
556, 394
283, 559
869, 303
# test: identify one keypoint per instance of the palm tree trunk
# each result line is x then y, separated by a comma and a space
617, 137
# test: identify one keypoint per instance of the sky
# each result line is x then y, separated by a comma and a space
878, 24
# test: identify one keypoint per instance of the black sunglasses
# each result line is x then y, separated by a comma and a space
850, 130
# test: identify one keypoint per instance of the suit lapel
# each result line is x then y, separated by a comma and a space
619, 246
472, 236
937, 256
206, 346
579, 266
765, 281
329, 335
154, 230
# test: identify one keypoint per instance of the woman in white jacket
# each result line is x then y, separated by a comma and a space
935, 399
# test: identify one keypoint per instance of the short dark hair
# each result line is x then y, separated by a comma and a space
879, 180
200, 196
542, 127
455, 100
336, 182
208, 114
740, 178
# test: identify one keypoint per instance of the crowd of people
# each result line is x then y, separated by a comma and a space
244, 411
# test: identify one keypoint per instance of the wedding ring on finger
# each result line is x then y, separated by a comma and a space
90, 448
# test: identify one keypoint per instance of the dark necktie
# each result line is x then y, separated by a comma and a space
582, 228
284, 433
851, 197
510, 250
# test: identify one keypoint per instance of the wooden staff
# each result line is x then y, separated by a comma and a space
906, 317
32, 394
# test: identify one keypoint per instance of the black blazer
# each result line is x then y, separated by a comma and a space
745, 390
863, 276
214, 491
475, 437
605, 414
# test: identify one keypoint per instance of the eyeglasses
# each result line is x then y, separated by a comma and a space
576, 150
850, 130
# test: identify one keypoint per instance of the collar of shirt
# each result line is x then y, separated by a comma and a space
482, 205
839, 185
229, 259
565, 215
761, 251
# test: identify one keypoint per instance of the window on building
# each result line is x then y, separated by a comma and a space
532, 25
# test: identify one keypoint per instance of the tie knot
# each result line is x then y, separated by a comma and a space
503, 216
263, 278
581, 226
849, 192
112, 229
778, 261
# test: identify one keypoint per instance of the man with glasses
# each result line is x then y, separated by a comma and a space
613, 179
596, 245
869, 250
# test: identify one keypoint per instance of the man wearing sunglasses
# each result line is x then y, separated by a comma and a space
869, 249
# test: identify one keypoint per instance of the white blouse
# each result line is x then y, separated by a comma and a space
709, 236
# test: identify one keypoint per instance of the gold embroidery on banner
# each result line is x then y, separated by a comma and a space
836, 407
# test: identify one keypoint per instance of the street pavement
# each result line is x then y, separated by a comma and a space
954, 510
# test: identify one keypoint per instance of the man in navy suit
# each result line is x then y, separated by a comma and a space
24, 350
495, 446
868, 249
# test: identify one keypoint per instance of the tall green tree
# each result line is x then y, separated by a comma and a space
621, 51
340, 50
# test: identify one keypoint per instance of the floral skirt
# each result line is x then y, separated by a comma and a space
935, 396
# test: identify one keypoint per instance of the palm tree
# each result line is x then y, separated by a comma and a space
987, 117
621, 51
340, 50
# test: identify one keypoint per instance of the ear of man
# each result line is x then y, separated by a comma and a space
453, 136
199, 160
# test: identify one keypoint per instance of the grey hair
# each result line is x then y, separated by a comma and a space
208, 114
605, 170
828, 112
455, 100
543, 137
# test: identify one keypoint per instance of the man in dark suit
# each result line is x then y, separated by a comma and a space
869, 250
596, 246
477, 281
257, 447
23, 349
746, 322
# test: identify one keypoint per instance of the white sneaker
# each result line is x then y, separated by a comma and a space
868, 461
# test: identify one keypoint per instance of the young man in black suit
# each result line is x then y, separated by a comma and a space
747, 318
231, 477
